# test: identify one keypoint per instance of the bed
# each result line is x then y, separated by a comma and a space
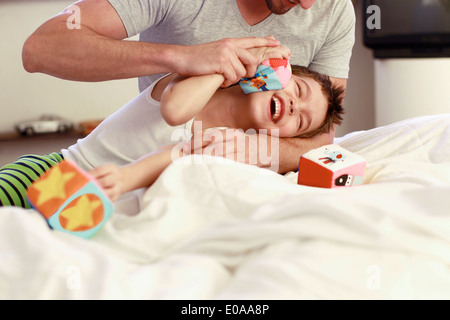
214, 229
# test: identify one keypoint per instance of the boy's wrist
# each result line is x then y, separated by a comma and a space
126, 173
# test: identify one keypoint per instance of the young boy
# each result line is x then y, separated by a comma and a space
309, 105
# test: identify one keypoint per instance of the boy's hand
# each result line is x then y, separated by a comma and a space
110, 179
265, 53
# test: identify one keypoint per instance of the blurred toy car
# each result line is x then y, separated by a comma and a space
47, 123
86, 127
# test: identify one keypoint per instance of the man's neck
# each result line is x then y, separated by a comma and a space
253, 11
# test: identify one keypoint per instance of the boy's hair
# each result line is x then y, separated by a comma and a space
334, 95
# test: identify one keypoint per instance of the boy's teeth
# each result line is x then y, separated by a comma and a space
276, 113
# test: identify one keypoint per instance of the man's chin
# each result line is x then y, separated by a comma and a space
276, 9
280, 11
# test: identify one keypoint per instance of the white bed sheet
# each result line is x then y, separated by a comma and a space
210, 228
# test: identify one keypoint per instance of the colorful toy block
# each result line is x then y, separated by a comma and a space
70, 200
272, 74
331, 166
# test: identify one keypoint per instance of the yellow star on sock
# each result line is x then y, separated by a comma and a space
81, 214
53, 186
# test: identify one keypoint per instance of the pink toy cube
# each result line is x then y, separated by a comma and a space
331, 166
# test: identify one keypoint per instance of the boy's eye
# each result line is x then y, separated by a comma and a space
299, 90
300, 122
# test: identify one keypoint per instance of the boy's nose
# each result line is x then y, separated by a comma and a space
293, 107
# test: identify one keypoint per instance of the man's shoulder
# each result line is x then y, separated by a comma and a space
333, 7
332, 4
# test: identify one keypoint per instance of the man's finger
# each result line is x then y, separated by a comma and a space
253, 42
229, 73
199, 140
238, 65
249, 61
280, 52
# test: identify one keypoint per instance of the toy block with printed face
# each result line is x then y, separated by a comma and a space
70, 200
331, 166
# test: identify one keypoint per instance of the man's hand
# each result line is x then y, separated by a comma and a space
260, 149
265, 53
234, 58
264, 149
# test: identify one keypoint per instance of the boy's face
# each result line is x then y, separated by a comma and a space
299, 108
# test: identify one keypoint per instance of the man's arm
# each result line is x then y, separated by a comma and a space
267, 151
96, 51
291, 149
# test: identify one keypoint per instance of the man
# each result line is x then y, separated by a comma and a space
192, 38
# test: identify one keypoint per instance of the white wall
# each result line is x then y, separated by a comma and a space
407, 88
359, 101
26, 96
381, 92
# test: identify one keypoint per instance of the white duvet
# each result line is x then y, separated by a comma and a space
215, 229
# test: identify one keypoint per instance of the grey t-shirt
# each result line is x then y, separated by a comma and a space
320, 38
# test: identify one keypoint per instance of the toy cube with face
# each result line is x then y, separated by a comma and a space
331, 166
70, 200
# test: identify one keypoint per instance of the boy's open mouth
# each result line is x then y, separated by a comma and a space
275, 109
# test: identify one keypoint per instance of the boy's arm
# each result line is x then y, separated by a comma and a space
142, 173
185, 97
